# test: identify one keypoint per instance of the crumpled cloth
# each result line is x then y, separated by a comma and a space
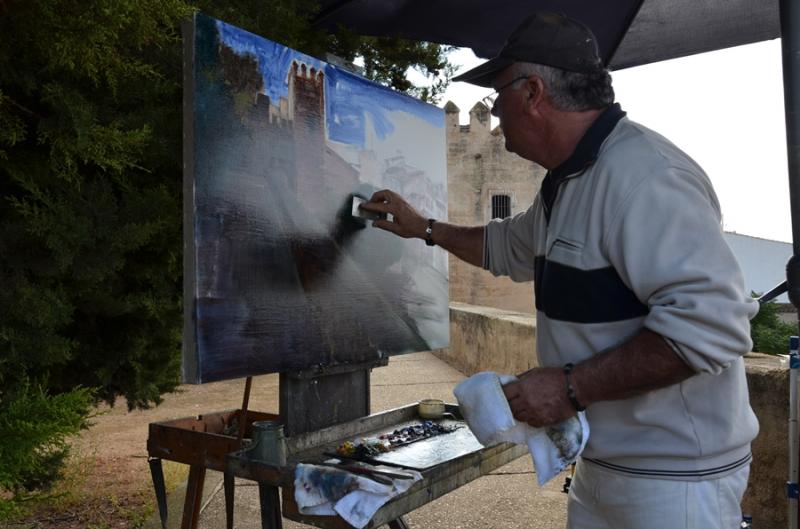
485, 408
321, 490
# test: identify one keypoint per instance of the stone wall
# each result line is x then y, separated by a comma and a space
478, 166
769, 396
489, 339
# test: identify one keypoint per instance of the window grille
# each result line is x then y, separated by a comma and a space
501, 206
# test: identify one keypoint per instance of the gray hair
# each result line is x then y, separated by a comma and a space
571, 91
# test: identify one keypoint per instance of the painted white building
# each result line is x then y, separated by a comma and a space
763, 261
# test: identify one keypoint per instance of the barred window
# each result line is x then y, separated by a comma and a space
501, 206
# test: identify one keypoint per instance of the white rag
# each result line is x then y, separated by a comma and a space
322, 490
485, 408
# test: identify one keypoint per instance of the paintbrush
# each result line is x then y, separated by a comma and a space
371, 461
374, 475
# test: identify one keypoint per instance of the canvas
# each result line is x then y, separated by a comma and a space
278, 275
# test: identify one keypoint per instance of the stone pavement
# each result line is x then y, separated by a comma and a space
508, 498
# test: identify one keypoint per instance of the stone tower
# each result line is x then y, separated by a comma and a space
482, 175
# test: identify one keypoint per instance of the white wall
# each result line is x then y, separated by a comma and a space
763, 261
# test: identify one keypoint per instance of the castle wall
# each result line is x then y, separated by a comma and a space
478, 166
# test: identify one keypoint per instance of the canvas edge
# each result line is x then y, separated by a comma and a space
190, 367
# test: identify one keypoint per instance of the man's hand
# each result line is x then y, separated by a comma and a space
406, 222
465, 242
539, 397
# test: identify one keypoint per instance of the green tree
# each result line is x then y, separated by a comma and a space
90, 227
90, 200
770, 335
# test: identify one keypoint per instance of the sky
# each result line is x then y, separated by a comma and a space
724, 108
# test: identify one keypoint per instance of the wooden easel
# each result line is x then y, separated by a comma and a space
308, 400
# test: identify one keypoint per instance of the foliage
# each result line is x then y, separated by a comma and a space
90, 200
386, 59
90, 217
770, 335
89, 220
33, 446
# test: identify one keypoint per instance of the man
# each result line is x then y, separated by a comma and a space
642, 318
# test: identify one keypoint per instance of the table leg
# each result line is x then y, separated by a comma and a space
194, 497
228, 482
270, 507
157, 473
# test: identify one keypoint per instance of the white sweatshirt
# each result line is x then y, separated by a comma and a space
635, 240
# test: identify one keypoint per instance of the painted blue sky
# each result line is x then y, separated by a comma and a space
350, 101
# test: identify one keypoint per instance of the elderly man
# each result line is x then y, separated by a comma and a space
642, 317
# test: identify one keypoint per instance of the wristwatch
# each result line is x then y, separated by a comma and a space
429, 233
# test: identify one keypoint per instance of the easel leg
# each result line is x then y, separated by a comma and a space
194, 497
270, 507
228, 480
398, 523
243, 418
157, 472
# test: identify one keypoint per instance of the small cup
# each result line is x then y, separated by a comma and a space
431, 409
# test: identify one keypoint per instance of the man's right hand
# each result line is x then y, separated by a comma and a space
465, 242
406, 221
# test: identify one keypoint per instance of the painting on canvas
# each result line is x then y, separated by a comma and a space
278, 275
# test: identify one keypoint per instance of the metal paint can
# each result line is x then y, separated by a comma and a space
269, 443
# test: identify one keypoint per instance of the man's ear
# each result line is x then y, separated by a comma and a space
535, 93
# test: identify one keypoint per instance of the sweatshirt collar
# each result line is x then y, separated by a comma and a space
585, 154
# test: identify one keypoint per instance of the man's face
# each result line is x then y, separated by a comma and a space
508, 106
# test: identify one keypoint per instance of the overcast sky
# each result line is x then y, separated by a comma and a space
724, 108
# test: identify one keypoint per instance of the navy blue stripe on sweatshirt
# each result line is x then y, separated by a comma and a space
570, 294
705, 472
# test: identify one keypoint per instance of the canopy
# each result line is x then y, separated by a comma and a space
629, 32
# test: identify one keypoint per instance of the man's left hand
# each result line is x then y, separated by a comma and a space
539, 397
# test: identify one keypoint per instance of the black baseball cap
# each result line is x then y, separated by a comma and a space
545, 38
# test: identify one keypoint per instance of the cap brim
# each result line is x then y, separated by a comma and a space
484, 74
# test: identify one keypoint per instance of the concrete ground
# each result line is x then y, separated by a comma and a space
508, 498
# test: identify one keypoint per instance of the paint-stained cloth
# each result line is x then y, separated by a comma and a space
486, 410
327, 491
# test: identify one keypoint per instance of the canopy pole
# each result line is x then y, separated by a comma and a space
790, 46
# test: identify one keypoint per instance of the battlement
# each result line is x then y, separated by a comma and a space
480, 120
306, 73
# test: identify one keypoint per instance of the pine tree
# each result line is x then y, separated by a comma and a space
90, 202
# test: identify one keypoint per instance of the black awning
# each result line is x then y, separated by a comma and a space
629, 32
